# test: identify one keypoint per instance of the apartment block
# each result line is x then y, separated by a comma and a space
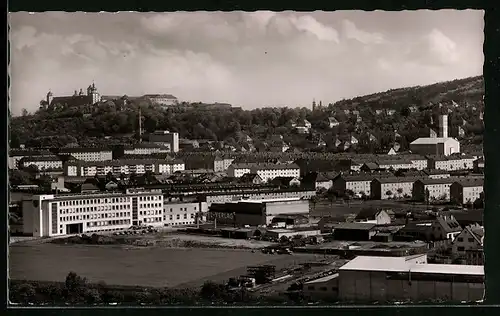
467, 190
125, 166
88, 154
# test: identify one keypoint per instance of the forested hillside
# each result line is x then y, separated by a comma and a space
416, 110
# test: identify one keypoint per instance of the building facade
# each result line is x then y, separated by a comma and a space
88, 154
170, 139
176, 213
125, 166
432, 189
48, 162
56, 215
383, 279
466, 191
395, 187
146, 149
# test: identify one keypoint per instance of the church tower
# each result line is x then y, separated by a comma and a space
50, 97
94, 96
314, 105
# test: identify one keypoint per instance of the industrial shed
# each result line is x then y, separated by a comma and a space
384, 279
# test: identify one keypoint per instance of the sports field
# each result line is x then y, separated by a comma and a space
157, 267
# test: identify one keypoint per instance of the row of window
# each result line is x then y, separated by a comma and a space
178, 216
93, 216
96, 209
109, 223
183, 209
155, 212
152, 219
95, 201
460, 239
150, 205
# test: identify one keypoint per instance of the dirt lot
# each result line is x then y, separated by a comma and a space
148, 266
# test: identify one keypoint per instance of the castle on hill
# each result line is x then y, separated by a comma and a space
77, 99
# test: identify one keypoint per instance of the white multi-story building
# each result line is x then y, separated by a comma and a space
161, 99
270, 171
146, 149
182, 213
452, 162
395, 164
237, 170
88, 154
432, 189
126, 166
16, 155
467, 191
56, 215
41, 162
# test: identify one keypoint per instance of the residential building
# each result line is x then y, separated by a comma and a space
253, 178
188, 144
47, 162
88, 154
286, 181
222, 164
266, 171
436, 174
146, 149
368, 279
125, 166
395, 164
16, 155
255, 212
391, 187
441, 228
332, 122
450, 162
56, 215
165, 138
359, 184
373, 216
471, 238
466, 191
258, 194
442, 145
432, 189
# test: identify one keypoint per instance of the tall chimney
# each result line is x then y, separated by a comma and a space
443, 126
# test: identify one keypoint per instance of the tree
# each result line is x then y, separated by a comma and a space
388, 193
24, 112
427, 196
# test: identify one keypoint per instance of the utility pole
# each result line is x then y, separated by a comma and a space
140, 126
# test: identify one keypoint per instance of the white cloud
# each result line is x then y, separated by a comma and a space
322, 32
351, 31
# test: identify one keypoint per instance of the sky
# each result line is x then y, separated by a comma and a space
248, 59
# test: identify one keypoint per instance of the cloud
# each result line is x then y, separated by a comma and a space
309, 24
434, 49
246, 58
350, 31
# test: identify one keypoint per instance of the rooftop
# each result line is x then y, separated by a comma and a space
358, 226
432, 141
324, 279
401, 264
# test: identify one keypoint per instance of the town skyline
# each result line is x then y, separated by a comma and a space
290, 58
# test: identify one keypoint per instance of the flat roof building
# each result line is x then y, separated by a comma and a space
384, 279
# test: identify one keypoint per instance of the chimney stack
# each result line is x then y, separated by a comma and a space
443, 126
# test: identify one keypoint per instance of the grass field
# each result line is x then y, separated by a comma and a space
157, 267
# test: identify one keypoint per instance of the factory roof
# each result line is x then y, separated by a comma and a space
271, 200
448, 269
324, 279
432, 140
402, 264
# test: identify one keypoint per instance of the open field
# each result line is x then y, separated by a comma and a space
157, 267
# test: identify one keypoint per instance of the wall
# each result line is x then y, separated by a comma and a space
369, 286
